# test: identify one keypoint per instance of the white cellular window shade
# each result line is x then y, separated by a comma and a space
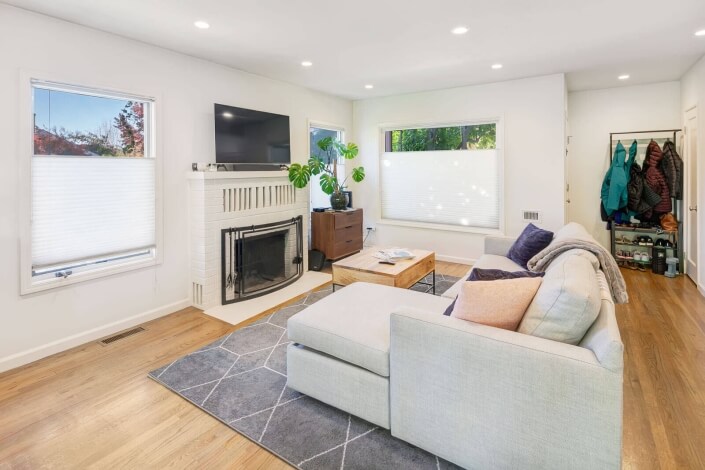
91, 208
459, 187
93, 185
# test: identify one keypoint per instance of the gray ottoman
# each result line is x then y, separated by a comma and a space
340, 349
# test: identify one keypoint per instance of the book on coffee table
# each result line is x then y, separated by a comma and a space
393, 255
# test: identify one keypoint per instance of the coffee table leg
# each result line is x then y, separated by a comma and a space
334, 287
434, 282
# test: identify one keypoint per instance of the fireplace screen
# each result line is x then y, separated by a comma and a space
259, 259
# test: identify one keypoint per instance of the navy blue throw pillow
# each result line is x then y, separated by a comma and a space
478, 274
531, 241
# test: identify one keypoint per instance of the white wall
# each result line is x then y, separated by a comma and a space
37, 325
592, 115
693, 94
533, 112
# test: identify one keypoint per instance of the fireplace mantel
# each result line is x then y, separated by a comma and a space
223, 199
234, 175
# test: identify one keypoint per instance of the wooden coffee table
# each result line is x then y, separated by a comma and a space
364, 267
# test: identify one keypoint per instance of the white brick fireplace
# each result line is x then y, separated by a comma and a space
224, 199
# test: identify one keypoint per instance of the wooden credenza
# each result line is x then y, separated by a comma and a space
337, 234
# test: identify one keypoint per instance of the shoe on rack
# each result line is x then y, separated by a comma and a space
645, 257
641, 268
649, 241
637, 256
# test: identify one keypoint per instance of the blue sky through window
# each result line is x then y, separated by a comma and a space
72, 111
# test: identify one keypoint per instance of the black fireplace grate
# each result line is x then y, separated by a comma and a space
259, 259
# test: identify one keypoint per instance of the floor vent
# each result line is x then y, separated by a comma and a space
197, 294
120, 336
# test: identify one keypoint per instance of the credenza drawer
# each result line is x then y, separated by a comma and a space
346, 246
348, 233
347, 219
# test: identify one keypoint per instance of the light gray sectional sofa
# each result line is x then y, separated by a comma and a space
478, 396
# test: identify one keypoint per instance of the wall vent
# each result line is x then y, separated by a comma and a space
531, 216
120, 336
197, 293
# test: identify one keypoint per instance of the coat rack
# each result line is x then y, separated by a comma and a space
612, 134
677, 204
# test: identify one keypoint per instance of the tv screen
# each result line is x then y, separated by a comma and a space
248, 136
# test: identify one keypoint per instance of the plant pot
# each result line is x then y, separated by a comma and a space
338, 201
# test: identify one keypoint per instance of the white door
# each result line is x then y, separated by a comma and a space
691, 194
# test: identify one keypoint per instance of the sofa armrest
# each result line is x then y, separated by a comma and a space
483, 397
498, 245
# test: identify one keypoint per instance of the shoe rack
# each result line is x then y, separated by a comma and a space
634, 247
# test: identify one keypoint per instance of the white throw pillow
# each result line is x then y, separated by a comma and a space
567, 303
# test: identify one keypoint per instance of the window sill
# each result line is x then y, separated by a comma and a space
32, 287
441, 227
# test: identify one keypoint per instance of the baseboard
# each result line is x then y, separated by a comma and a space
40, 352
456, 259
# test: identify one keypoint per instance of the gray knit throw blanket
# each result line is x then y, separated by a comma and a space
608, 265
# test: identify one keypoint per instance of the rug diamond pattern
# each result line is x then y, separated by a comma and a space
240, 379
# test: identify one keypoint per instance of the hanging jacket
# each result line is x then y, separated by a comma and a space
655, 178
614, 185
630, 160
672, 168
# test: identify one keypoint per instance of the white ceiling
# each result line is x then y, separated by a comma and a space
404, 46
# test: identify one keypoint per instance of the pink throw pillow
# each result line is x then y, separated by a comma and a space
500, 303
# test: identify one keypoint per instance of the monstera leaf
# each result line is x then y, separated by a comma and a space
358, 174
316, 165
325, 143
329, 184
349, 150
299, 175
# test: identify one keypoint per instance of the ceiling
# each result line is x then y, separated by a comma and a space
403, 46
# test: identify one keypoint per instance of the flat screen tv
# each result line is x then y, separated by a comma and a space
251, 137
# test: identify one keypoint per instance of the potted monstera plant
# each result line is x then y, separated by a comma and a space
325, 163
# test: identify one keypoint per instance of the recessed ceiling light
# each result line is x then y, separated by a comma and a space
700, 33
459, 30
227, 115
306, 63
497, 66
369, 86
623, 77
201, 24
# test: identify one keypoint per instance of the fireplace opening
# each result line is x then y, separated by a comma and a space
260, 259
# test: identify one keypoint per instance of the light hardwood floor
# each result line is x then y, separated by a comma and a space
94, 407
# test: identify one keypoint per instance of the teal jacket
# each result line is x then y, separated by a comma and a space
614, 186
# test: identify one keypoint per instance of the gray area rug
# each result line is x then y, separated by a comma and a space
240, 379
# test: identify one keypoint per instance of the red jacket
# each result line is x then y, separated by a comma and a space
655, 178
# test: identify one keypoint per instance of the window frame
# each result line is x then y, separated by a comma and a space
30, 284
328, 127
499, 148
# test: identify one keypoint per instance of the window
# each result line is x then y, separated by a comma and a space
316, 133
444, 175
93, 183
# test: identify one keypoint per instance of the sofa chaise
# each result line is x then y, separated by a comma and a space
478, 396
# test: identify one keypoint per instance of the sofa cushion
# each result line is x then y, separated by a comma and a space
531, 241
484, 262
567, 302
499, 303
479, 274
352, 324
572, 230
